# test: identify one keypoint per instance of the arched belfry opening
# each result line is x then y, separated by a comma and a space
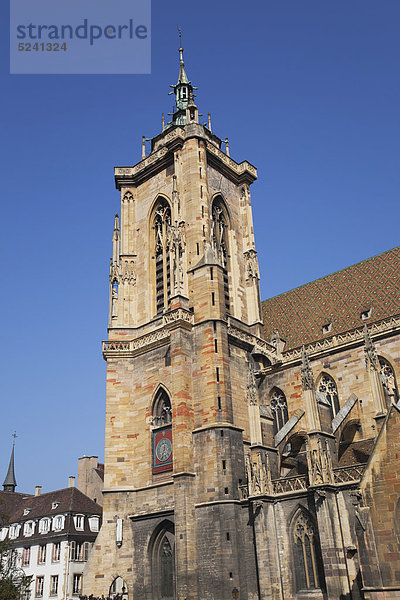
161, 223
220, 242
162, 553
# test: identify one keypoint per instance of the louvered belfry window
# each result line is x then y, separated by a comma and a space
162, 223
219, 240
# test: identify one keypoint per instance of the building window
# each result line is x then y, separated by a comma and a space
54, 505
79, 551
162, 433
327, 388
44, 525
54, 585
161, 225
388, 381
94, 523
305, 553
14, 531
26, 511
58, 523
29, 528
77, 584
26, 556
55, 557
279, 409
366, 314
39, 586
79, 522
41, 555
162, 410
219, 241
326, 328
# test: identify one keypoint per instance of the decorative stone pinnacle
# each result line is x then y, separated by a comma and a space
371, 359
307, 377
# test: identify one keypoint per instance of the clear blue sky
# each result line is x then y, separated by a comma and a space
308, 91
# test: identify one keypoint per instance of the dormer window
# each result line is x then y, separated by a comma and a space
366, 314
14, 531
26, 511
44, 525
79, 522
29, 528
54, 505
326, 328
58, 522
94, 523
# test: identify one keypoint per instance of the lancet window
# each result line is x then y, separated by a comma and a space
219, 241
305, 553
162, 223
327, 388
162, 411
279, 409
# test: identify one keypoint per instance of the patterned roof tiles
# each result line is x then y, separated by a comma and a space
300, 314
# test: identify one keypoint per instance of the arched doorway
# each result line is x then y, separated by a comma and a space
118, 589
163, 562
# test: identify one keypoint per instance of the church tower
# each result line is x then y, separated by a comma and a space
184, 338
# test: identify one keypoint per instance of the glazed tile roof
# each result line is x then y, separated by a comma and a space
339, 299
356, 453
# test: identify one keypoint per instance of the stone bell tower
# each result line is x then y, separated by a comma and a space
184, 324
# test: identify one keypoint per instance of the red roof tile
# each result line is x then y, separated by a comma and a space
339, 298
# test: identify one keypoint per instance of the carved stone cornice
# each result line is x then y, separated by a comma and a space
253, 342
129, 348
179, 317
243, 172
354, 337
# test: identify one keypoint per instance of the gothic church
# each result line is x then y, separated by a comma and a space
251, 448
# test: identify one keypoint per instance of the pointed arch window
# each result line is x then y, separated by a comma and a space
162, 433
327, 388
388, 379
162, 410
219, 241
161, 225
305, 553
279, 409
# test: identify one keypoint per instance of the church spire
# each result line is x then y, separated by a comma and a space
184, 96
10, 482
182, 73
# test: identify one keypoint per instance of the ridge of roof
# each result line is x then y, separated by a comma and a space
324, 277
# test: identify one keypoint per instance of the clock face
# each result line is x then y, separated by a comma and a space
164, 449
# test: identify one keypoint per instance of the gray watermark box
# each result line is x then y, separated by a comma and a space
80, 36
